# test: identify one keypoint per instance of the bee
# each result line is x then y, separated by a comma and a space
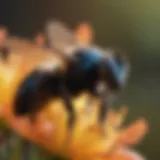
84, 72
98, 74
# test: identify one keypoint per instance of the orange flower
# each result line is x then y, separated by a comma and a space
44, 133
88, 140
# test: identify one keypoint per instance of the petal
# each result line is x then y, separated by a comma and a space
134, 133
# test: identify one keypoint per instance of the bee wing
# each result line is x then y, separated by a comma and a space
60, 37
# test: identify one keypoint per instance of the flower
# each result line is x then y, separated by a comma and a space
87, 140
83, 144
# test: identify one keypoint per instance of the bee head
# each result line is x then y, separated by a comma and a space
113, 70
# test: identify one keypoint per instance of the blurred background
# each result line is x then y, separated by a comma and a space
133, 25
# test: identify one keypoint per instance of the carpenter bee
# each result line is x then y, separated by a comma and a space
84, 72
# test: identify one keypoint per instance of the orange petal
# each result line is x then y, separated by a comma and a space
134, 133
41, 132
121, 154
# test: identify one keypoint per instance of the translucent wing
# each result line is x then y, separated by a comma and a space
60, 37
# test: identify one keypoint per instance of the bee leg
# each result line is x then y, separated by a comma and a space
102, 117
103, 112
70, 110
32, 118
67, 101
71, 120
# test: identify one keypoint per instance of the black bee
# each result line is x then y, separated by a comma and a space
84, 72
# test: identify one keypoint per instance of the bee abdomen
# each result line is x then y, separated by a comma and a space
35, 92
